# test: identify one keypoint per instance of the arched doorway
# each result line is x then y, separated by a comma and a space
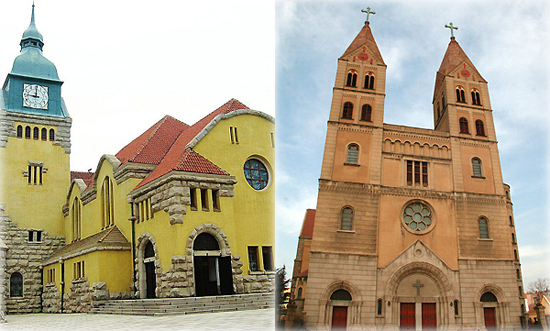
340, 300
489, 302
150, 274
213, 272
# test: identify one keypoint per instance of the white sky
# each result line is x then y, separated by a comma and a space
126, 64
506, 40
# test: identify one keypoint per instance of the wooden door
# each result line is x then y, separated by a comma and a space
151, 279
407, 316
339, 318
429, 317
490, 318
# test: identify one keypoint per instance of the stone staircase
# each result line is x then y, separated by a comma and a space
191, 305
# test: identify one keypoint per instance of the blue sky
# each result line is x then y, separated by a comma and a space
506, 41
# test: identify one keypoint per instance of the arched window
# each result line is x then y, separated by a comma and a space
19, 131
475, 97
35, 133
488, 297
352, 78
205, 242
149, 250
480, 130
77, 219
52, 134
107, 201
342, 295
457, 311
299, 293
476, 167
369, 81
516, 255
463, 122
347, 219
379, 307
513, 238
460, 95
348, 110
16, 285
28, 132
520, 290
511, 221
366, 113
483, 228
44, 134
353, 154
518, 274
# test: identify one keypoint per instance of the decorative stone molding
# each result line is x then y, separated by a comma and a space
345, 187
141, 282
427, 269
63, 125
356, 129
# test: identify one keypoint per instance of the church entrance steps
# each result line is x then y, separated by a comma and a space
191, 305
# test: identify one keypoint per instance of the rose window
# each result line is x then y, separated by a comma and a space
417, 216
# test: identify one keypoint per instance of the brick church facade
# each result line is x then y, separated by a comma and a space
414, 228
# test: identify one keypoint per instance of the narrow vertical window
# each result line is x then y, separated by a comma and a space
425, 173
39, 236
347, 219
193, 198
35, 171
417, 172
348, 110
457, 312
44, 134
204, 199
369, 81
19, 131
483, 228
236, 135
16, 285
476, 167
35, 133
40, 174
516, 255
511, 221
52, 134
77, 225
216, 200
475, 97
267, 258
300, 292
379, 307
28, 132
460, 95
272, 140
29, 174
231, 135
409, 172
353, 154
366, 113
253, 258
518, 274
463, 124
513, 238
107, 203
480, 130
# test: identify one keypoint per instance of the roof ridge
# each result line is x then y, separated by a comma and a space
108, 232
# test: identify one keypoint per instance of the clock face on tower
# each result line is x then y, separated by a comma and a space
35, 96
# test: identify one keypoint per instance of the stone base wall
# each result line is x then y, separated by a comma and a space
79, 298
51, 299
26, 258
257, 282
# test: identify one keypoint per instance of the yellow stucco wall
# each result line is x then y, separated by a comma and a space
34, 205
254, 211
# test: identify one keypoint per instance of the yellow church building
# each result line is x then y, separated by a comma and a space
182, 210
414, 228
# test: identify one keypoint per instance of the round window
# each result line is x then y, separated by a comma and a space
256, 174
418, 217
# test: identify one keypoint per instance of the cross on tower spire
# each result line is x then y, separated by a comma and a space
452, 27
368, 12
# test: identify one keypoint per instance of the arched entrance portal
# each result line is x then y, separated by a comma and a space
340, 302
213, 272
489, 302
150, 275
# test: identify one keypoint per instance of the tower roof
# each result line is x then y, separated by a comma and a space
31, 62
365, 37
453, 57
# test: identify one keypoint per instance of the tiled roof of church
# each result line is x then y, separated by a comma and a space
178, 158
365, 37
86, 176
109, 238
453, 57
309, 221
153, 144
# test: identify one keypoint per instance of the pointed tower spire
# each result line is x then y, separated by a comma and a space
31, 37
365, 38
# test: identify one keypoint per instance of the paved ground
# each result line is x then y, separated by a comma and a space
262, 319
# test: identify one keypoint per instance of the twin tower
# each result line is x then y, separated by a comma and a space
413, 227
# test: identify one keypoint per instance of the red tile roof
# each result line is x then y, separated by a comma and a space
86, 176
365, 37
153, 144
307, 226
178, 158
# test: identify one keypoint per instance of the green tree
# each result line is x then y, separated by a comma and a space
281, 295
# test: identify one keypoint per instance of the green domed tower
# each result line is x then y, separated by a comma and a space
34, 170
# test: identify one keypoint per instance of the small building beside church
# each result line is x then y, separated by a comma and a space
182, 210
414, 227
